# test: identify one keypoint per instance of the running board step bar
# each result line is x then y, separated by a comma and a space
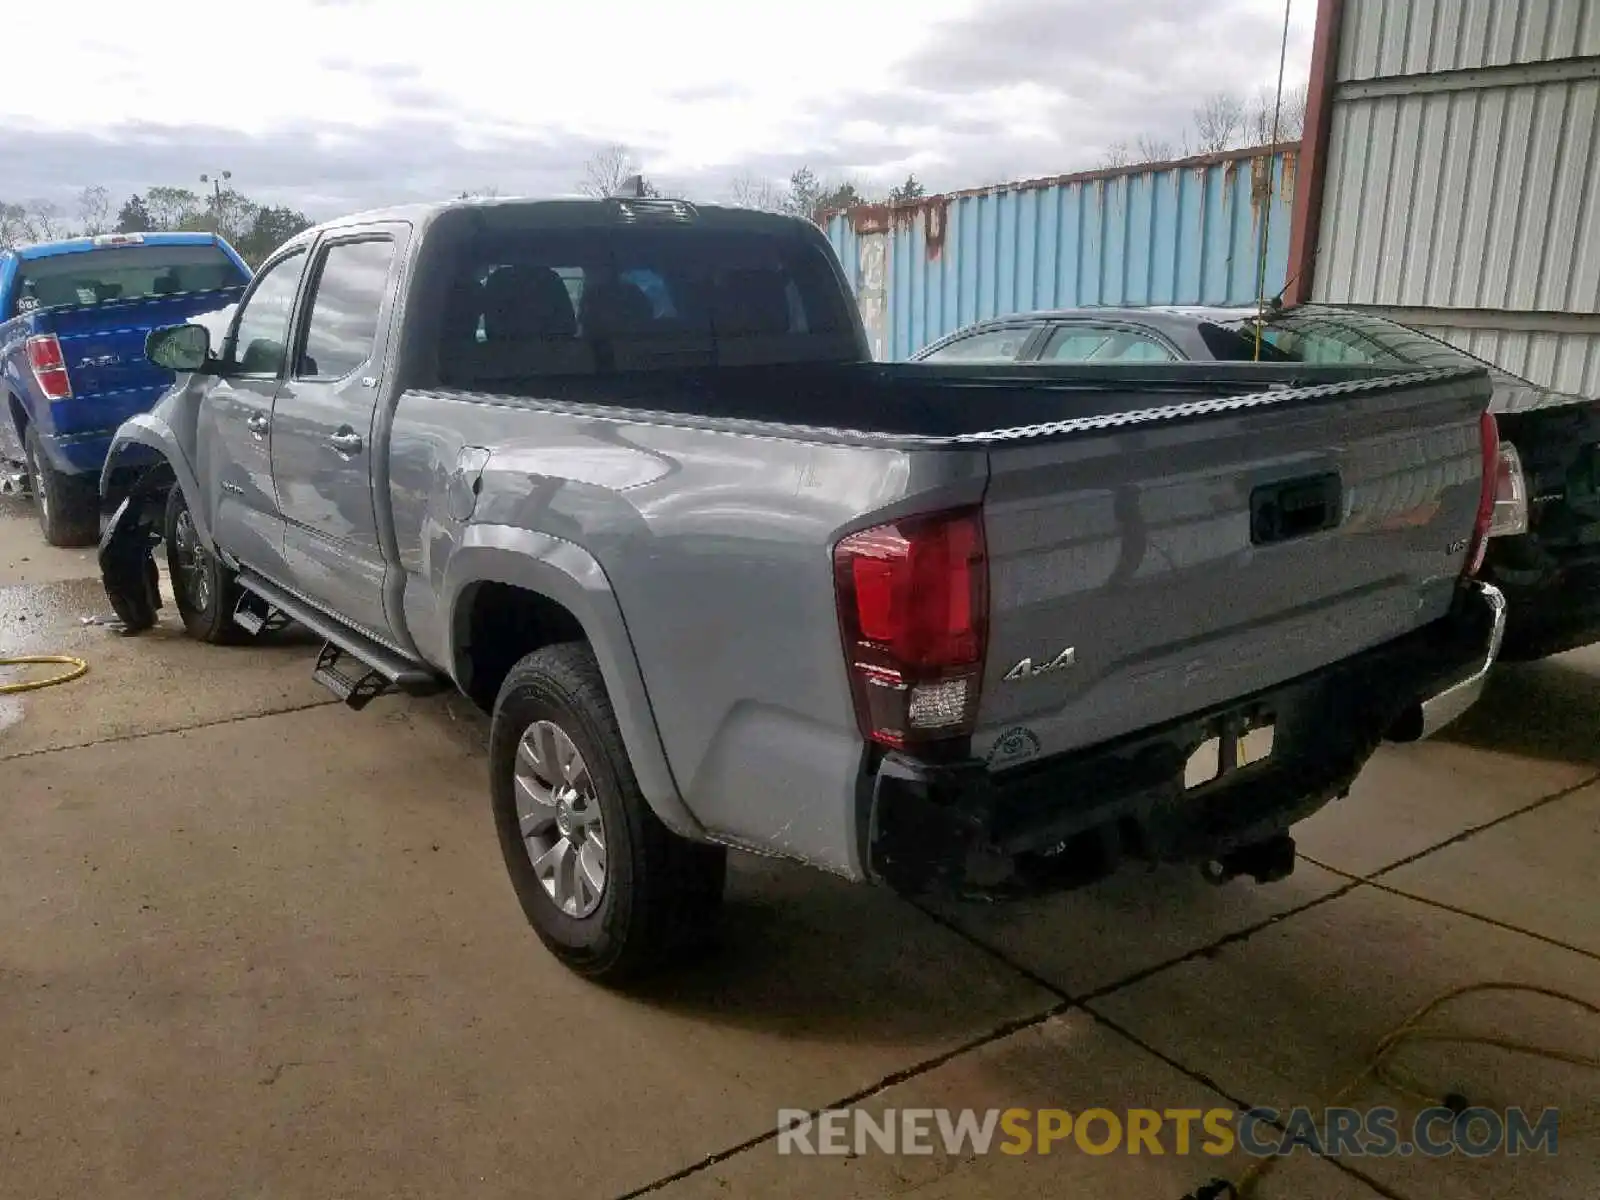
255, 616
351, 665
356, 688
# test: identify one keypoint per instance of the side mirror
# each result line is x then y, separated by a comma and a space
180, 348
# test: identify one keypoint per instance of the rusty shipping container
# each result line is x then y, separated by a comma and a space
1187, 232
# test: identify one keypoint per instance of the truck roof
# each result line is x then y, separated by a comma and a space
714, 215
109, 241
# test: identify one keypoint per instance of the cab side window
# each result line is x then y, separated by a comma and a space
260, 341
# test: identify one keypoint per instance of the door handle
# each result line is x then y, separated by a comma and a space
257, 424
346, 442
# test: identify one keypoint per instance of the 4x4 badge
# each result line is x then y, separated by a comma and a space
1026, 670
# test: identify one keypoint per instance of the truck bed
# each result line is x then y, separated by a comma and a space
1117, 504
936, 402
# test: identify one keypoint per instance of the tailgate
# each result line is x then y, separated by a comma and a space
1190, 557
103, 344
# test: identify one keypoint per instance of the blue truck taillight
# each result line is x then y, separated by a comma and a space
49, 367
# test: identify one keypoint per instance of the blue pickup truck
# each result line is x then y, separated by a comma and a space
73, 319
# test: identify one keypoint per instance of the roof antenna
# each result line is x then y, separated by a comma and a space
1266, 208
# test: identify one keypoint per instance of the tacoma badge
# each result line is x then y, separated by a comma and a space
1026, 670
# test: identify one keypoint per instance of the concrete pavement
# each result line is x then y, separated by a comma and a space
253, 944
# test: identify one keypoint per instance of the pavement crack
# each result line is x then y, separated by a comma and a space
150, 733
1475, 830
998, 1033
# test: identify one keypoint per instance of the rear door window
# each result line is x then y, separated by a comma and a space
590, 300
106, 276
344, 309
1105, 343
989, 346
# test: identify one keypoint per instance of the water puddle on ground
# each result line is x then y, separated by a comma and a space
46, 618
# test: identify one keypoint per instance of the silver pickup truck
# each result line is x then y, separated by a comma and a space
624, 473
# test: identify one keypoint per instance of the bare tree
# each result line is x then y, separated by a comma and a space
608, 170
1291, 117
1150, 149
95, 210
43, 222
13, 225
749, 190
481, 193
1218, 122
1117, 155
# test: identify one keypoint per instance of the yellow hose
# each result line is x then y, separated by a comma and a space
79, 668
1379, 1068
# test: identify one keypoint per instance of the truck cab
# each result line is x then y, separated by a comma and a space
74, 316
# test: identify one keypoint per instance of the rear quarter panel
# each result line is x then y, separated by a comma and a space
717, 548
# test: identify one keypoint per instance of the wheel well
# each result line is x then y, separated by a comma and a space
502, 625
18, 417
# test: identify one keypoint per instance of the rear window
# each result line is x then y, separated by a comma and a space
1238, 343
583, 301
109, 276
1333, 339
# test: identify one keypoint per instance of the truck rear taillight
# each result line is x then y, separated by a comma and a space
49, 367
1489, 439
1510, 495
913, 601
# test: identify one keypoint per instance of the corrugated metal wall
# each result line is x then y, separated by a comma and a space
1186, 233
1462, 186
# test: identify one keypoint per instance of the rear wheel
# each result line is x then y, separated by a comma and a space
610, 890
68, 506
206, 592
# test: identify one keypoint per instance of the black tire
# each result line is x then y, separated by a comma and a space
661, 893
205, 591
68, 506
135, 604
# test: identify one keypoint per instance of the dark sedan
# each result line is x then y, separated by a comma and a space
1546, 552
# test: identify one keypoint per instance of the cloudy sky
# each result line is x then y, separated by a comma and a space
330, 105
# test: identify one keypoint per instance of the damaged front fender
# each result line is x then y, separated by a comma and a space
150, 454
127, 551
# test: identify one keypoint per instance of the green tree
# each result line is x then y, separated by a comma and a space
908, 191
134, 217
271, 228
805, 193
172, 208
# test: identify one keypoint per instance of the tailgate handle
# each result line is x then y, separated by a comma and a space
1294, 508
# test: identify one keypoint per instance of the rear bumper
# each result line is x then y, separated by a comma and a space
1457, 697
956, 828
1560, 616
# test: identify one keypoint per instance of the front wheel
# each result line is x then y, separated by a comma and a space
206, 592
610, 890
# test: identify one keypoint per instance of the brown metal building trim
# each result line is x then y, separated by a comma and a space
1306, 223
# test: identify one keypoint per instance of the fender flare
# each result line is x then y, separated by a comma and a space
146, 430
569, 575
